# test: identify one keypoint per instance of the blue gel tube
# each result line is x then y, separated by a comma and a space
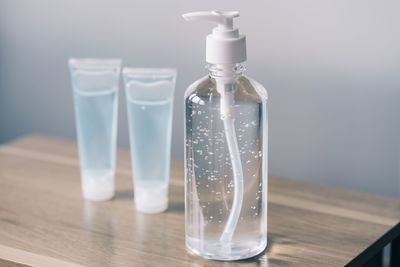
149, 94
95, 91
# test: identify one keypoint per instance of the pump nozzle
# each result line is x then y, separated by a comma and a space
224, 19
225, 45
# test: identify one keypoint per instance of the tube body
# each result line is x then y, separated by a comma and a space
95, 91
149, 95
212, 228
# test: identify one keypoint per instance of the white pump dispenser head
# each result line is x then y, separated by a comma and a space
225, 45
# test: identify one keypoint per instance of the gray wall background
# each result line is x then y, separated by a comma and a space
332, 69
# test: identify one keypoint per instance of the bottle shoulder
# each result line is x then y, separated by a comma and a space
250, 86
199, 86
247, 88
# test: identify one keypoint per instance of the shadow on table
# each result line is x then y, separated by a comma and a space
176, 207
123, 195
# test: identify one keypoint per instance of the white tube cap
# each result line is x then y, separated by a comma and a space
150, 200
225, 45
98, 188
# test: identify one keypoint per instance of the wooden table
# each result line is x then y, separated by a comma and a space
45, 222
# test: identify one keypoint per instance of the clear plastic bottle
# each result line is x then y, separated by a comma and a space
226, 144
209, 176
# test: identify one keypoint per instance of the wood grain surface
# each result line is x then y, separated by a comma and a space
44, 221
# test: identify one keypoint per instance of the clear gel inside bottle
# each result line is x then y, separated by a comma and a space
209, 178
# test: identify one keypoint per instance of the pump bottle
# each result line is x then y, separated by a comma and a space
226, 144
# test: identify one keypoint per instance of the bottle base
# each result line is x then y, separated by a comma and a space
236, 250
151, 200
98, 188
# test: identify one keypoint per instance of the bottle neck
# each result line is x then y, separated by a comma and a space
223, 71
226, 81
